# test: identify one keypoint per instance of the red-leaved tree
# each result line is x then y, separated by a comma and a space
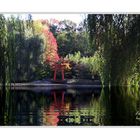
51, 56
51, 51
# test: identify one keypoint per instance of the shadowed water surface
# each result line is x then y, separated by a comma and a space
70, 107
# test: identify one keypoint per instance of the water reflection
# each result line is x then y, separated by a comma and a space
70, 107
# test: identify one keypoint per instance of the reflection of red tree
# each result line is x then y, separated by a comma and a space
52, 116
56, 108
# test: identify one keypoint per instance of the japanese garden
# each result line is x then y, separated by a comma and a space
60, 73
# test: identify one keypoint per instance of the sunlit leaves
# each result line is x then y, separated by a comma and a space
38, 27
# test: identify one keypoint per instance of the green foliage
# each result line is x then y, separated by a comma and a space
116, 37
113, 52
25, 50
71, 38
21, 50
3, 50
86, 67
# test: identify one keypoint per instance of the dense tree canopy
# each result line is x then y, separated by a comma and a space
116, 38
105, 46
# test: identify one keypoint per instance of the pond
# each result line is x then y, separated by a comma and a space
70, 107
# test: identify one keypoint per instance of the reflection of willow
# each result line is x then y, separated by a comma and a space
124, 105
100, 108
116, 106
4, 106
22, 108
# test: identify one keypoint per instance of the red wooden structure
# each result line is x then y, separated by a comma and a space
59, 66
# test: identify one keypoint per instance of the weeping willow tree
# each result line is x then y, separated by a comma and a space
24, 49
116, 38
3, 50
20, 49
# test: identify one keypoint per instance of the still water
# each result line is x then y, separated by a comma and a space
70, 107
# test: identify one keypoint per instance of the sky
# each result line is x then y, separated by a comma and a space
77, 18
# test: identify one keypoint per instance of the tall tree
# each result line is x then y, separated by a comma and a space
3, 50
116, 38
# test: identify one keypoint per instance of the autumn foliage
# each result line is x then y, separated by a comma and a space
51, 57
51, 51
